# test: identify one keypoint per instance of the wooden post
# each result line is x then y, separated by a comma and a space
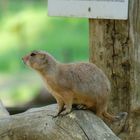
115, 47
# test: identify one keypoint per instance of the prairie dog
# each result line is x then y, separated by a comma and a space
73, 83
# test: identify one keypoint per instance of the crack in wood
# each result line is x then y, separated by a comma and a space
82, 130
64, 129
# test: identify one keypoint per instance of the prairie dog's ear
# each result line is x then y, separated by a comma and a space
41, 56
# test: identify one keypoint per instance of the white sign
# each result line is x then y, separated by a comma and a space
100, 9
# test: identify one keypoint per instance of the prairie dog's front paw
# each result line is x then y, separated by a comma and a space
65, 112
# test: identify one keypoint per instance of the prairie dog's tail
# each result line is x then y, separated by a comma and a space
113, 118
110, 117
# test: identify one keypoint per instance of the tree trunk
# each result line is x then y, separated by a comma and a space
38, 124
115, 48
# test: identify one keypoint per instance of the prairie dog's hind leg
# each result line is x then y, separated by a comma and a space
99, 113
81, 107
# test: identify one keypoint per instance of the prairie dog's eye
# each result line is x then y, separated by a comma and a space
33, 54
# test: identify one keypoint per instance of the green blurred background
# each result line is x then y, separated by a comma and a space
25, 26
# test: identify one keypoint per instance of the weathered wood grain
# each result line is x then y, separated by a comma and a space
3, 112
38, 124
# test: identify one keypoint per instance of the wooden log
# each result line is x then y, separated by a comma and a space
38, 124
3, 112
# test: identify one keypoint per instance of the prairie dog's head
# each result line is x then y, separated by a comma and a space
38, 60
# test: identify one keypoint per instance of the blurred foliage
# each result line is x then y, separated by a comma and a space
25, 26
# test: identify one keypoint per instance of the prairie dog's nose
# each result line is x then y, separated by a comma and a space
25, 58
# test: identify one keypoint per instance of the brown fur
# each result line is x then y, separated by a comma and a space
76, 83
